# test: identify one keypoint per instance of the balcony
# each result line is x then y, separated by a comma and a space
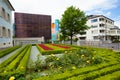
114, 32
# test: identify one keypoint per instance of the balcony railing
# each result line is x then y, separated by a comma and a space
114, 32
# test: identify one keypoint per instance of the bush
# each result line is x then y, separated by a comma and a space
14, 68
8, 50
6, 62
76, 72
98, 73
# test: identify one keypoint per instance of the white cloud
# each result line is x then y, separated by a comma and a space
117, 23
57, 7
108, 14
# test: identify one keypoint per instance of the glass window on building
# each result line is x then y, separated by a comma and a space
3, 32
94, 26
101, 19
94, 31
102, 25
94, 20
95, 37
102, 31
0, 11
9, 33
3, 13
8, 17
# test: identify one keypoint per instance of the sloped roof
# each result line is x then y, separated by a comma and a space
94, 16
9, 4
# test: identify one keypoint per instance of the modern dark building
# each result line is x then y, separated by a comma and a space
32, 26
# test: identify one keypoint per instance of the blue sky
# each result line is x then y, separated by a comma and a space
55, 8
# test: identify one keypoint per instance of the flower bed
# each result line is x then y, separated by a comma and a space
66, 47
76, 72
94, 63
45, 47
80, 63
48, 52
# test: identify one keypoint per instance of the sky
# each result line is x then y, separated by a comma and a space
55, 8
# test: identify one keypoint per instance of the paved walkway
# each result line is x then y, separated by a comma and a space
34, 53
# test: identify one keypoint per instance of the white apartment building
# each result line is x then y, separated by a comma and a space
101, 29
5, 23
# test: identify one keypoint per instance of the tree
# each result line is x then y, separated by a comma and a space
73, 22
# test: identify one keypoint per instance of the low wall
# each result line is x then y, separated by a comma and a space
24, 41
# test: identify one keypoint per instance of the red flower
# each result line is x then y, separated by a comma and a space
66, 47
45, 47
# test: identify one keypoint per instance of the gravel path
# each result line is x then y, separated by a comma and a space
34, 53
7, 56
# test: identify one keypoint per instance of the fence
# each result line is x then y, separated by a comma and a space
114, 46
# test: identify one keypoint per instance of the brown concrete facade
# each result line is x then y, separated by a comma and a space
32, 25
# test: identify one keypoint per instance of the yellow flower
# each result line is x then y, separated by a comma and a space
70, 51
12, 78
73, 67
22, 67
60, 68
52, 55
57, 59
5, 71
82, 55
93, 58
88, 61
66, 52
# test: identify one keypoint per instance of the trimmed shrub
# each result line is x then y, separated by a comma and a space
8, 50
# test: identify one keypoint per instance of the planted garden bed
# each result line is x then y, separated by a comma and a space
16, 64
62, 46
47, 49
8, 50
86, 63
74, 63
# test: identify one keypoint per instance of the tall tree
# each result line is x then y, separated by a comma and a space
73, 22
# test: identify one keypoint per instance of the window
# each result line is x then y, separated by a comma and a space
94, 31
94, 26
101, 25
7, 17
102, 31
95, 37
4, 43
94, 20
101, 19
9, 33
3, 13
3, 32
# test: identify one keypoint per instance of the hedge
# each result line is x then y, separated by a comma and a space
96, 74
13, 69
23, 63
8, 50
13, 65
110, 76
10, 59
76, 72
